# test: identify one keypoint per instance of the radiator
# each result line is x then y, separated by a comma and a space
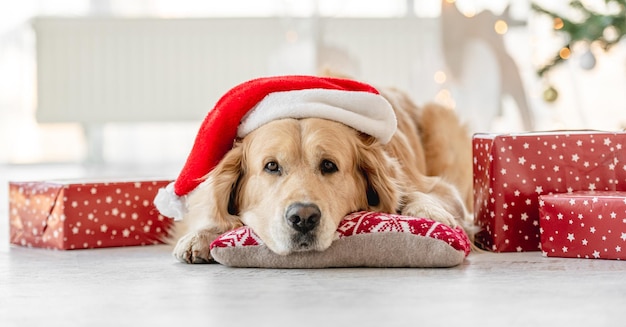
109, 70
100, 70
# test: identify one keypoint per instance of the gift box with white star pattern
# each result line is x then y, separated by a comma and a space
512, 170
80, 215
583, 225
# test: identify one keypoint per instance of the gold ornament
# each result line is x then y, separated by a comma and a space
550, 94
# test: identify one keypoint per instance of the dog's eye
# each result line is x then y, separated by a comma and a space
272, 167
328, 167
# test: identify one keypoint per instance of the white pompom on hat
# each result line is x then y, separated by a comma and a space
254, 103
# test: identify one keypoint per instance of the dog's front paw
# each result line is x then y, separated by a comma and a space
425, 206
194, 247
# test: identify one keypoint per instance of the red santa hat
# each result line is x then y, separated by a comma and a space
252, 104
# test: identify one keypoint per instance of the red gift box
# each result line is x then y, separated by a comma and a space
78, 215
512, 170
583, 225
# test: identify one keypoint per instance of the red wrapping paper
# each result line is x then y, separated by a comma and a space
583, 225
79, 215
511, 171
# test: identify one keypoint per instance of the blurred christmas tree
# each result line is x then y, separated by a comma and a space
589, 27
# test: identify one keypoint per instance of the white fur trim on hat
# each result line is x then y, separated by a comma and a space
169, 204
367, 112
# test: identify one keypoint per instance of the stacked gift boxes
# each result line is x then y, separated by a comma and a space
79, 215
511, 171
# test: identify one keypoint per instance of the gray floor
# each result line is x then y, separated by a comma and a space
144, 286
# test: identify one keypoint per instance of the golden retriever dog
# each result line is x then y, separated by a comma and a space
293, 180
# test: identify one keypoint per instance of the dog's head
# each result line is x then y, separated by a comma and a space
292, 181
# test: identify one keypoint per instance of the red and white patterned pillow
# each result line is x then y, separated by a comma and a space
364, 239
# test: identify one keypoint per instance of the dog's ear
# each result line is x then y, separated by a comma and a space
213, 203
381, 175
226, 177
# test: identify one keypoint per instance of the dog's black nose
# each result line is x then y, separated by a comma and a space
303, 217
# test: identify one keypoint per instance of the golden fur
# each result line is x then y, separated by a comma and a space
424, 171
